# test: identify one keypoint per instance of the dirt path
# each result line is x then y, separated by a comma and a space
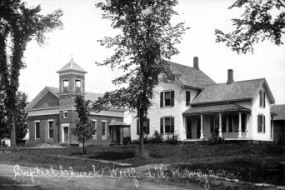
70, 183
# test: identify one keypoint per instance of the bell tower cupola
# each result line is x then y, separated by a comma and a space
71, 83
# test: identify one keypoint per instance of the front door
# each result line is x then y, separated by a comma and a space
65, 134
115, 134
188, 129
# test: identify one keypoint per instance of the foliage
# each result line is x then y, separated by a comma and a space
261, 20
156, 137
21, 121
172, 139
83, 129
215, 139
19, 24
147, 39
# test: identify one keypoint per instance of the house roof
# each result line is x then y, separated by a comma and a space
188, 76
279, 110
236, 91
118, 123
71, 66
55, 91
215, 108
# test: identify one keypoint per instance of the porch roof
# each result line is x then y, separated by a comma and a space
118, 123
215, 109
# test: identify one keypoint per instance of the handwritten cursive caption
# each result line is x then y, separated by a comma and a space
129, 173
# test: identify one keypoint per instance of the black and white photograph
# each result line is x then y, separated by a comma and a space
142, 94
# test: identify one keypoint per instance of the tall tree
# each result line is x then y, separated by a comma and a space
21, 120
19, 25
83, 129
261, 20
146, 41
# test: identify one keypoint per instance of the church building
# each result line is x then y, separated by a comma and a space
52, 114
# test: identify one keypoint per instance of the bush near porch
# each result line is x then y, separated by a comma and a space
260, 163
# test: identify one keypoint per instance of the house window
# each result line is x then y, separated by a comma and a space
167, 125
37, 129
167, 99
104, 123
77, 85
145, 126
94, 127
261, 124
262, 98
65, 114
188, 96
50, 129
65, 85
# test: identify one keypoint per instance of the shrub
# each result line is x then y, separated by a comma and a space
173, 139
156, 138
215, 139
127, 140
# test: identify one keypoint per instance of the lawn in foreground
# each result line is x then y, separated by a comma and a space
255, 163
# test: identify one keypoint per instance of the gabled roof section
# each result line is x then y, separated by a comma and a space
71, 66
191, 77
279, 110
242, 90
42, 94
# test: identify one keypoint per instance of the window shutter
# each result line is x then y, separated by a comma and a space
147, 127
188, 95
172, 98
172, 125
263, 124
138, 126
161, 99
258, 123
161, 125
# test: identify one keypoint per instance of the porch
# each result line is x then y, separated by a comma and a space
118, 131
229, 121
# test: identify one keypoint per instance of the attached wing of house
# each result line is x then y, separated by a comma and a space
194, 107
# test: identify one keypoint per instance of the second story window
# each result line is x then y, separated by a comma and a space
77, 85
262, 98
167, 99
65, 85
65, 114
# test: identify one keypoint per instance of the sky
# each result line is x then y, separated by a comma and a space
84, 26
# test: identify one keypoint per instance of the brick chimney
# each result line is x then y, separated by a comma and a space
196, 63
230, 76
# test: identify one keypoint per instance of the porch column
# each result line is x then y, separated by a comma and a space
220, 125
202, 126
121, 135
246, 125
239, 125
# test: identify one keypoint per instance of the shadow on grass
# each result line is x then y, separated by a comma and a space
113, 155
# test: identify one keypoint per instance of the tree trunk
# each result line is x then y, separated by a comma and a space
13, 131
141, 121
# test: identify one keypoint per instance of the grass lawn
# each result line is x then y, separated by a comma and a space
256, 163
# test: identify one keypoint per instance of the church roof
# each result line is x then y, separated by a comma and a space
71, 66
